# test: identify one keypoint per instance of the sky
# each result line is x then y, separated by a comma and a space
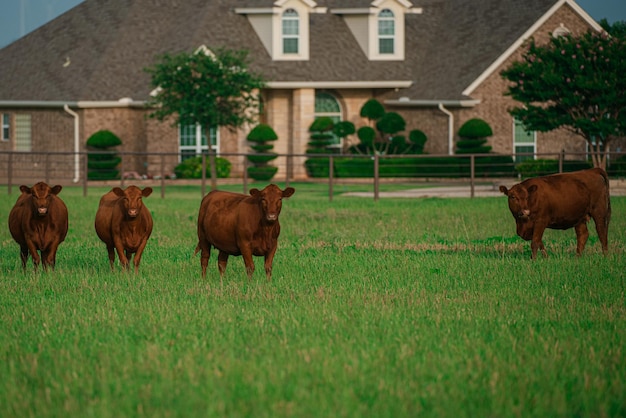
20, 17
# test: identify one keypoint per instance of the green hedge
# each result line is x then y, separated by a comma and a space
191, 168
492, 166
543, 167
264, 172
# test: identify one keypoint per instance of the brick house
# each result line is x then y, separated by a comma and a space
436, 62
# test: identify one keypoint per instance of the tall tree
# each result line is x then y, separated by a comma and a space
208, 88
575, 83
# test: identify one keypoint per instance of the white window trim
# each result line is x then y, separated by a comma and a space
303, 33
399, 40
5, 127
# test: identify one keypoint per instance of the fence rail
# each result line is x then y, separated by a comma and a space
71, 168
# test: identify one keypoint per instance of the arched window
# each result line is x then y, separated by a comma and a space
327, 105
291, 31
193, 141
386, 32
560, 31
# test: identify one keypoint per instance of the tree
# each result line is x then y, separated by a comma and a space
205, 88
575, 83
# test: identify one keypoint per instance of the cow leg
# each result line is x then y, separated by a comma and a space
602, 228
248, 261
49, 256
24, 255
205, 254
34, 253
111, 253
121, 253
582, 233
138, 254
269, 258
537, 242
222, 260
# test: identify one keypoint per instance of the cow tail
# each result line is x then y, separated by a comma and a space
197, 249
605, 177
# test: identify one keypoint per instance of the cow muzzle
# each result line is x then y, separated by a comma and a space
42, 211
133, 213
524, 214
271, 217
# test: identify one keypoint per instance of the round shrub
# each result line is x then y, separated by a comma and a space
265, 172
103, 139
344, 128
372, 109
262, 133
262, 159
417, 138
475, 128
366, 134
391, 123
322, 124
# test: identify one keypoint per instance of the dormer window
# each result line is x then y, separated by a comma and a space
290, 31
386, 32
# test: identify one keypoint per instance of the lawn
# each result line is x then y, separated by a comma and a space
389, 308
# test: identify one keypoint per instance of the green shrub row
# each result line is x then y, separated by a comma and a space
346, 167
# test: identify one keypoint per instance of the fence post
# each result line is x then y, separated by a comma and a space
330, 178
162, 176
85, 175
10, 172
203, 182
376, 178
472, 174
561, 158
287, 172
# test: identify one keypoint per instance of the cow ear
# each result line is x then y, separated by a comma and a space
504, 190
289, 191
118, 192
146, 192
254, 192
56, 189
25, 189
532, 189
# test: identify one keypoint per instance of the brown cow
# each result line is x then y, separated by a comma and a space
238, 224
124, 224
39, 222
561, 201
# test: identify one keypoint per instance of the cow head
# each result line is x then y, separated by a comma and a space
41, 196
131, 199
520, 201
271, 200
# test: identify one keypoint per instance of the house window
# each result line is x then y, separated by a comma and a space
327, 105
23, 135
291, 31
193, 141
6, 127
524, 142
386, 32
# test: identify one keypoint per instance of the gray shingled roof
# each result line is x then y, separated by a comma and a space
109, 43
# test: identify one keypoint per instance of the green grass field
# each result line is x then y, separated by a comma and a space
396, 308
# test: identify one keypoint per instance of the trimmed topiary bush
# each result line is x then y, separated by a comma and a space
261, 135
321, 138
103, 161
191, 168
473, 134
